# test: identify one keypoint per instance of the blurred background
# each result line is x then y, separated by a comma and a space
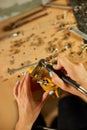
10, 8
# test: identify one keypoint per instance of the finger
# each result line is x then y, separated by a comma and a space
56, 80
21, 86
15, 90
63, 62
27, 85
58, 65
67, 64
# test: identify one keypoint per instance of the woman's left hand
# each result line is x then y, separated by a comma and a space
29, 108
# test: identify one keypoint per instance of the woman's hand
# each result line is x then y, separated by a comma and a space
29, 108
76, 72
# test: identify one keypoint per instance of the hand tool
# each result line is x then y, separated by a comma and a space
13, 70
66, 79
79, 33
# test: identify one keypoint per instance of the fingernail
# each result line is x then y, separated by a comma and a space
51, 92
54, 66
51, 73
17, 82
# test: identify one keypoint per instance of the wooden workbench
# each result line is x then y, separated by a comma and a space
38, 39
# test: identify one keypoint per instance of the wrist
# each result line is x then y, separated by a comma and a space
23, 126
83, 97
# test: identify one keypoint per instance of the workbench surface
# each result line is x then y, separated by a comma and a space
39, 38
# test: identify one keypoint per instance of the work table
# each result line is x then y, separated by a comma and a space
42, 37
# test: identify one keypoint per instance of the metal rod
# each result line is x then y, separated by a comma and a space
58, 6
11, 71
79, 33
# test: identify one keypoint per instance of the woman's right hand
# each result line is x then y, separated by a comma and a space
76, 71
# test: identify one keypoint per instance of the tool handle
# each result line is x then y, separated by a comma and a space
66, 79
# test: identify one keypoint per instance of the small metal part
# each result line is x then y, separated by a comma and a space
65, 14
68, 45
12, 61
79, 33
43, 82
83, 47
51, 92
43, 62
15, 34
12, 71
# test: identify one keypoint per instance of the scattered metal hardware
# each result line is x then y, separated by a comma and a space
65, 14
83, 47
51, 48
59, 6
19, 42
15, 34
80, 13
37, 41
58, 17
68, 45
12, 61
79, 33
12, 71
